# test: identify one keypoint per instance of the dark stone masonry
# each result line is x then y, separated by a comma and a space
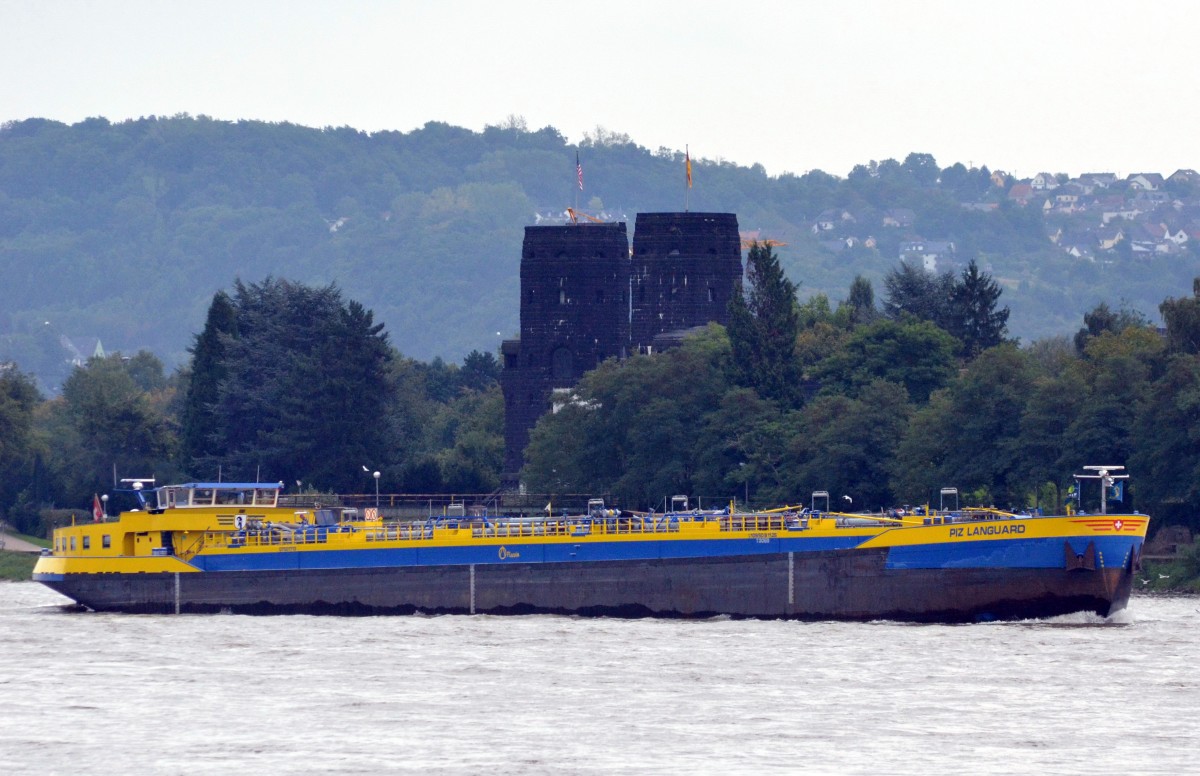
585, 298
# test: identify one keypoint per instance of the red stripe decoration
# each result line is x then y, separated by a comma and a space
1118, 525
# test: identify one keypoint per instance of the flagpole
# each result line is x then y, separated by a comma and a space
687, 192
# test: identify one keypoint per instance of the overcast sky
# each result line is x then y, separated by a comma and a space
1021, 86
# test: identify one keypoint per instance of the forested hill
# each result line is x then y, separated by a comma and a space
124, 231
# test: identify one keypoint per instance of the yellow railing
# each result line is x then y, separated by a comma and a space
581, 526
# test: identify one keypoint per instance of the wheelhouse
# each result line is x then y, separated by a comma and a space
210, 494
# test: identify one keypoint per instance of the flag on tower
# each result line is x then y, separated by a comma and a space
578, 171
688, 156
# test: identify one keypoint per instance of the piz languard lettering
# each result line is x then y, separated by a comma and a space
992, 529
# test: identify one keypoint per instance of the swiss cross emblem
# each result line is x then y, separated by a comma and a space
1117, 525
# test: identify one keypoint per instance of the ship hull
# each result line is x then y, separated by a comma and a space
832, 585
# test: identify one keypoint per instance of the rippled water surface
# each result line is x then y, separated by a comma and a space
96, 693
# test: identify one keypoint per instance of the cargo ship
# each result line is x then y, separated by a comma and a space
232, 547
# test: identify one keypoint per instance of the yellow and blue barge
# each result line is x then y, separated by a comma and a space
231, 547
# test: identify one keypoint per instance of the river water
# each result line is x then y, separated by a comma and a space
88, 693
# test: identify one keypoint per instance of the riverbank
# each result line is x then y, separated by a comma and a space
1180, 574
18, 554
16, 566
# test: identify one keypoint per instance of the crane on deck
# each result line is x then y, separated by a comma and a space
577, 214
750, 243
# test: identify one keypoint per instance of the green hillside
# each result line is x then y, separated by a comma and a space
124, 231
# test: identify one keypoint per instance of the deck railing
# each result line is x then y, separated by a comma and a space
284, 535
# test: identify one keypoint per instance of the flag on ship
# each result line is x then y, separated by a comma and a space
97, 510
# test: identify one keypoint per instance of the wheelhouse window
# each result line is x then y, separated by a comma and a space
265, 498
173, 497
231, 497
202, 497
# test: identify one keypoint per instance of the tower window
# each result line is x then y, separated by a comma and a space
712, 296
562, 296
562, 364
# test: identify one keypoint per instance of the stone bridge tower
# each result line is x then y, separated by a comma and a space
683, 273
585, 298
574, 314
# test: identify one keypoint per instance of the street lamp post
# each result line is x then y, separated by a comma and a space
104, 500
376, 476
745, 484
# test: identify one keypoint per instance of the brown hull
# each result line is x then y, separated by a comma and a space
819, 586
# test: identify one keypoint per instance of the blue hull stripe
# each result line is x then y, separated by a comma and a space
998, 553
513, 553
1009, 553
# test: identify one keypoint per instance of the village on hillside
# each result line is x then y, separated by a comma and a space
1096, 217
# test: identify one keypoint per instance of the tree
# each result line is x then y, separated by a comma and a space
208, 369
965, 307
19, 399
1166, 443
973, 318
480, 371
924, 295
1182, 317
861, 302
763, 325
640, 429
1117, 369
923, 169
915, 354
472, 459
968, 435
304, 394
105, 421
846, 446
1101, 319
1054, 402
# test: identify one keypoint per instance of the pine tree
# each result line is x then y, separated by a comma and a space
861, 302
913, 291
763, 325
974, 318
301, 391
208, 370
